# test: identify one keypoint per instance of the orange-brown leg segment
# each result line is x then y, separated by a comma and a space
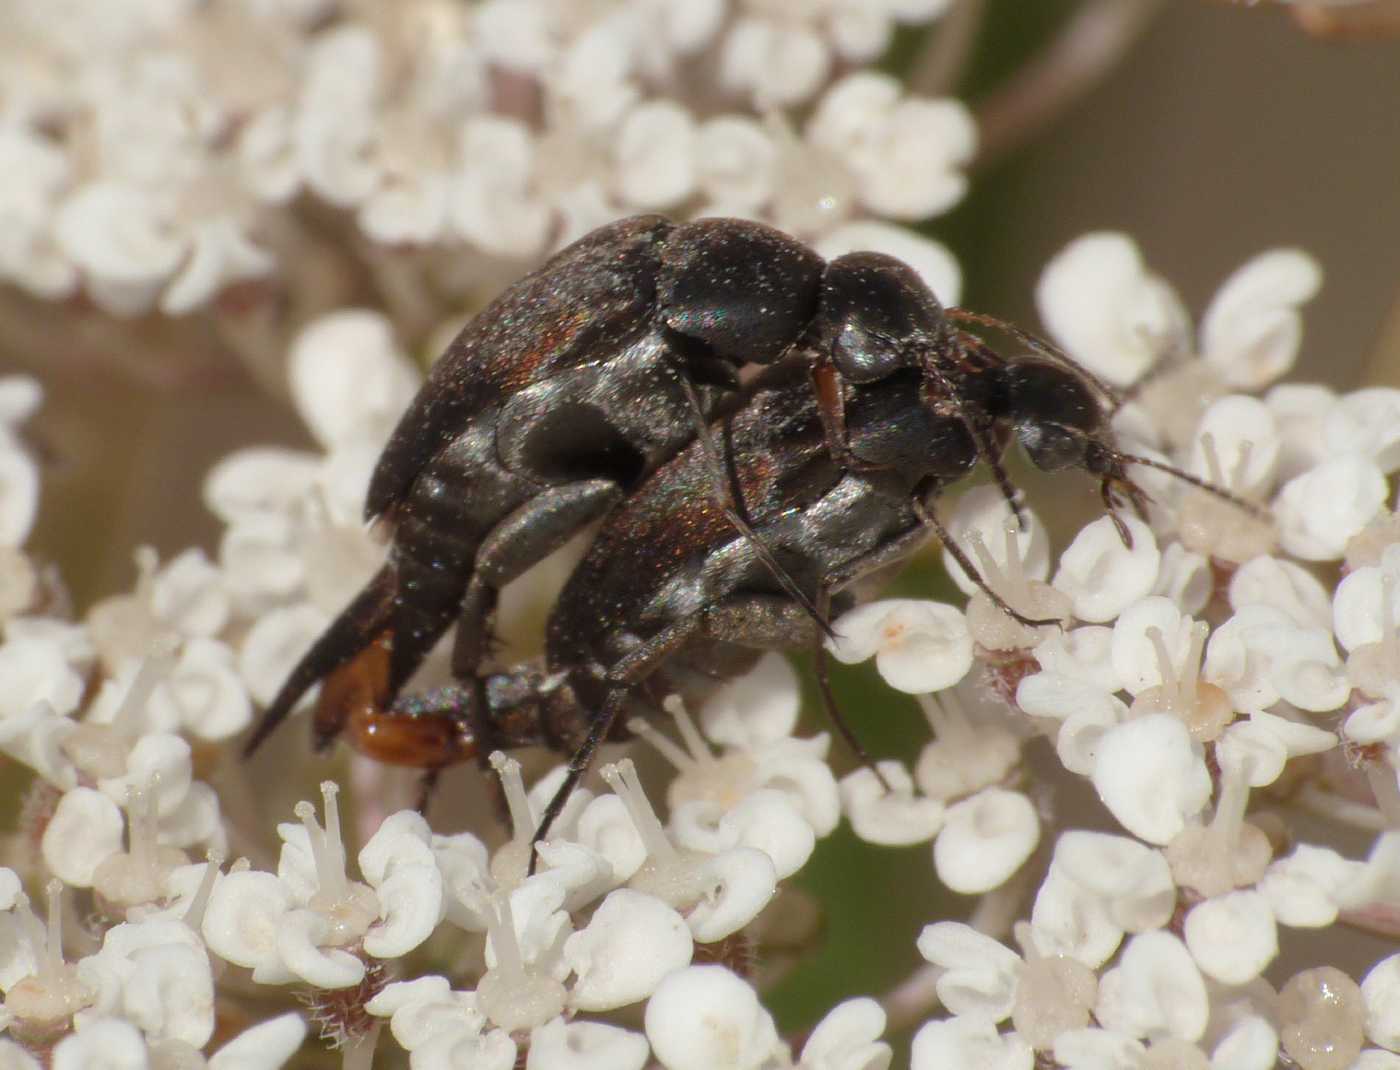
353, 702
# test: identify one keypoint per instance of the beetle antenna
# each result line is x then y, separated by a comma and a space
1039, 345
1252, 508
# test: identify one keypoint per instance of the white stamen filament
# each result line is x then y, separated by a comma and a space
622, 778
522, 821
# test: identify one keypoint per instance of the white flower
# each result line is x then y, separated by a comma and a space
848, 1038
918, 646
752, 717
703, 1017
1305, 888
716, 894
1103, 576
581, 1045
1381, 990
1232, 937
979, 974
889, 817
777, 65
103, 1043
155, 974
632, 942
656, 155
1100, 301
1318, 511
968, 1041
904, 153
1102, 304
1151, 776
1155, 990
985, 839
349, 378
301, 922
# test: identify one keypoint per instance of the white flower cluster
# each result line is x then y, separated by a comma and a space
1217, 658
161, 152
1202, 659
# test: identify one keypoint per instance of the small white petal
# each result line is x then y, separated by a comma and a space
1098, 1049
1133, 881
655, 151
409, 210
299, 943
19, 495
1381, 991
1104, 577
220, 254
349, 377
703, 1017
1232, 937
103, 1044
265, 1046
897, 818
118, 239
984, 510
848, 1038
1250, 1044
558, 1045
1151, 776
1134, 653
980, 975
1366, 422
1305, 889
1068, 920
918, 646
1285, 585
1252, 330
1156, 989
761, 706
779, 65
985, 839
241, 922
260, 480
969, 1042
1245, 438
85, 830
1102, 304
1318, 511
744, 881
607, 828
735, 161
631, 943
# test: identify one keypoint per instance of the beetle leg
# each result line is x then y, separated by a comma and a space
731, 500
833, 710
929, 518
524, 538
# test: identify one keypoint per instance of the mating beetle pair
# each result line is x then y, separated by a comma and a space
574, 395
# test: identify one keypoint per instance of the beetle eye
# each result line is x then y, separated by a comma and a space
1051, 448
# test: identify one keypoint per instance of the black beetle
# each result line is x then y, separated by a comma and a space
582, 378
570, 387
670, 591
